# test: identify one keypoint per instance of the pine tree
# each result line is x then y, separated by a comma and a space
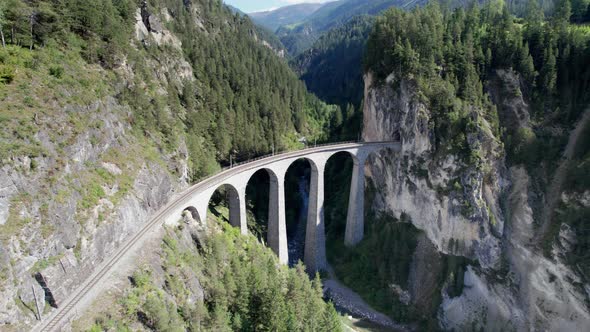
220, 320
534, 15
330, 319
548, 74
562, 16
526, 67
337, 119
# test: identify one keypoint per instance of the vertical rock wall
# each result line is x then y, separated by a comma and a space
514, 287
433, 189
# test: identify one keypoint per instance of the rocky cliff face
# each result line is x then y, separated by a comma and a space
96, 183
456, 204
482, 213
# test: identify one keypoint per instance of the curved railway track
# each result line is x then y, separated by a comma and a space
59, 316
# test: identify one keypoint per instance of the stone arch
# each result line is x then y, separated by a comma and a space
191, 214
262, 199
234, 201
337, 192
298, 180
350, 153
271, 174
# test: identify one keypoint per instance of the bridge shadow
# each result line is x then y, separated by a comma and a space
297, 183
257, 202
337, 179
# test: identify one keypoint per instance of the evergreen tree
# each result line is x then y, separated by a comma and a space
526, 66
330, 320
579, 9
548, 73
562, 16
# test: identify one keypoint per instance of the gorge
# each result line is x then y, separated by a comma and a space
132, 196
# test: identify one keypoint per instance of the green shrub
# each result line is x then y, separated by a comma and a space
56, 71
94, 192
7, 73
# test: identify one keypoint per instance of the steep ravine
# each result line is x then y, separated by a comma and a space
345, 300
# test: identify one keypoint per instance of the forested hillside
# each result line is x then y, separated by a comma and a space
232, 283
489, 100
332, 67
299, 37
111, 107
233, 112
469, 45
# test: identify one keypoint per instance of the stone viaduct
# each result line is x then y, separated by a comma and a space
235, 180
195, 200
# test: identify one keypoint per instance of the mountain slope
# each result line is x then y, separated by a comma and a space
484, 116
332, 67
297, 38
116, 108
269, 39
285, 15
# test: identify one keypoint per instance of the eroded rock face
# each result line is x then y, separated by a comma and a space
56, 236
58, 247
482, 306
444, 197
504, 88
514, 287
536, 294
7, 190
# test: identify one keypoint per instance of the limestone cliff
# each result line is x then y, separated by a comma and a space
455, 203
479, 211
95, 184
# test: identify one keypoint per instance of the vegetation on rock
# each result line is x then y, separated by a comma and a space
452, 53
244, 287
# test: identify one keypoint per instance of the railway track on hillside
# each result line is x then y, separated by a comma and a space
65, 310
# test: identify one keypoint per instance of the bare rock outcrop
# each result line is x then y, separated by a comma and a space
452, 202
95, 184
484, 213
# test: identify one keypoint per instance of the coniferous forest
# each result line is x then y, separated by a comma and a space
110, 108
217, 88
243, 99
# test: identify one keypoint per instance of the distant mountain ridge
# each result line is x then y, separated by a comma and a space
266, 35
332, 68
301, 36
284, 16
342, 11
